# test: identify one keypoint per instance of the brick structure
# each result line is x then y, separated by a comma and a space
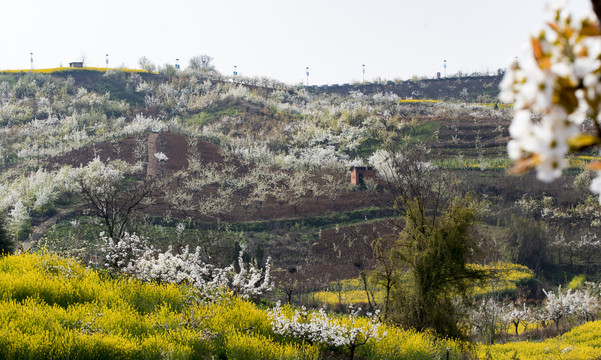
76, 64
360, 173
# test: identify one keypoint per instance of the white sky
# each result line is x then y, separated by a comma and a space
276, 38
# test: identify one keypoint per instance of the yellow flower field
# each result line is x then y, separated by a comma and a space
507, 277
417, 101
582, 342
51, 307
352, 292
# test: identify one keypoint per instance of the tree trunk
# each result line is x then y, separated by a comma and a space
352, 356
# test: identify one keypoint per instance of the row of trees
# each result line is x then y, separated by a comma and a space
490, 317
202, 63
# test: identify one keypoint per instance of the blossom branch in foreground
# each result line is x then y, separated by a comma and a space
555, 89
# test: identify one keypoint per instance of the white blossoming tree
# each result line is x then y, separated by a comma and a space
18, 220
559, 305
516, 315
317, 327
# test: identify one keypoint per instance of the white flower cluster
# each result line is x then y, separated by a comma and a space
121, 254
391, 166
251, 281
555, 88
38, 189
160, 156
318, 327
133, 256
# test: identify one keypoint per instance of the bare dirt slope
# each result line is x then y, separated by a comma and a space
177, 148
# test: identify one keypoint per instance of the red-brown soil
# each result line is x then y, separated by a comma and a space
177, 149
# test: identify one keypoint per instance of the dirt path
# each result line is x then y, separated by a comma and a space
153, 162
40, 230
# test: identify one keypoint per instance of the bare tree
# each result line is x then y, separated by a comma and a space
114, 192
146, 64
202, 62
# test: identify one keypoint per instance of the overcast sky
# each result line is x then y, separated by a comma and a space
395, 39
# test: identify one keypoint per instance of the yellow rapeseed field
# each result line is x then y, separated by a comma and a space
52, 307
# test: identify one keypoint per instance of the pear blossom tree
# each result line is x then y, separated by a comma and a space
588, 247
298, 186
18, 220
485, 318
146, 64
317, 327
201, 62
516, 315
259, 193
334, 183
559, 305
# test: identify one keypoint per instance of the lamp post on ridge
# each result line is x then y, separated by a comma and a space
363, 72
107, 62
445, 68
176, 64
31, 60
307, 76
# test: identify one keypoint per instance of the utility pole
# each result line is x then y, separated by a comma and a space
307, 76
363, 72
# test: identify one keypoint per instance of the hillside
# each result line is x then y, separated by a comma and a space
257, 170
255, 164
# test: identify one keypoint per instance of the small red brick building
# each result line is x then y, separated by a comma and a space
360, 173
